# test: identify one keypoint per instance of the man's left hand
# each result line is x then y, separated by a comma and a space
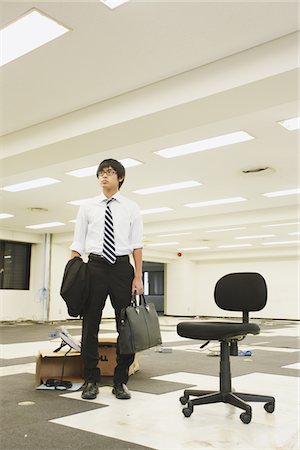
137, 286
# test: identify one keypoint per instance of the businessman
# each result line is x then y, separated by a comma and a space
108, 228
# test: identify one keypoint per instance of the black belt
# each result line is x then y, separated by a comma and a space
100, 258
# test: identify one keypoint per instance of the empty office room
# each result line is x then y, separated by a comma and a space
175, 124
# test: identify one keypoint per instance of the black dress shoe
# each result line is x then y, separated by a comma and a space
90, 391
121, 391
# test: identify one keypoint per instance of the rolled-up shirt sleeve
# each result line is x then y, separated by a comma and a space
81, 227
137, 230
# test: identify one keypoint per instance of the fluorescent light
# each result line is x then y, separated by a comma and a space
79, 202
85, 172
155, 210
5, 216
205, 144
161, 244
89, 171
167, 187
173, 234
221, 201
296, 233
45, 225
31, 31
187, 249
257, 236
280, 224
112, 4
129, 162
33, 184
225, 229
291, 124
235, 246
72, 221
280, 242
282, 193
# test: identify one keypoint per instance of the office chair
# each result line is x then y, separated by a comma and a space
233, 292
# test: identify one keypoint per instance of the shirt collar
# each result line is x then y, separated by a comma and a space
117, 196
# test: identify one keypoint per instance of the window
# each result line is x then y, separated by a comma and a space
14, 265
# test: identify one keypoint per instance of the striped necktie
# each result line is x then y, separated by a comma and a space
109, 250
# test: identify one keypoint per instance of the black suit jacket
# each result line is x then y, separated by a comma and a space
75, 286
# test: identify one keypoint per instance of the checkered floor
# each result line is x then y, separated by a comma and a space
153, 418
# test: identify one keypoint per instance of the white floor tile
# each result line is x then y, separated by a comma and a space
156, 421
293, 331
295, 366
20, 368
24, 349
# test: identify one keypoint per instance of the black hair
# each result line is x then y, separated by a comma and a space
114, 164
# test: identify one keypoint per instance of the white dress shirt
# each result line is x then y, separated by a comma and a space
89, 228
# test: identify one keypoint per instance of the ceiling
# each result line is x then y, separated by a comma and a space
145, 76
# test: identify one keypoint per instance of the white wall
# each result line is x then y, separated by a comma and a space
180, 287
190, 287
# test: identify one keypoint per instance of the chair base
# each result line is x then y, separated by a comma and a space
233, 398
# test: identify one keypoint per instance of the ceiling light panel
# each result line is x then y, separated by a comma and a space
5, 216
282, 193
79, 202
205, 144
173, 234
257, 236
45, 225
28, 33
155, 210
235, 246
291, 124
225, 229
189, 249
221, 201
280, 243
161, 244
296, 233
168, 187
91, 171
33, 184
280, 224
112, 4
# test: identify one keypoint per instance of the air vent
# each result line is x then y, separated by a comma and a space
37, 209
256, 170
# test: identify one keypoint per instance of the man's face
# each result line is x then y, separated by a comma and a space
109, 179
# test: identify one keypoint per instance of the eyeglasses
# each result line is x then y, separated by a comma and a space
108, 172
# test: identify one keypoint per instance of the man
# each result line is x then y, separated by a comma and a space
108, 229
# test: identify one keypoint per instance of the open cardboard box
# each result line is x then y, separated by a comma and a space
50, 364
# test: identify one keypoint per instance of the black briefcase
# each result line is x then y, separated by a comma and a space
139, 327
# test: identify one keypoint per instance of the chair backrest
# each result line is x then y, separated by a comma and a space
243, 291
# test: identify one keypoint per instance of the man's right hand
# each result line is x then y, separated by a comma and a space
74, 254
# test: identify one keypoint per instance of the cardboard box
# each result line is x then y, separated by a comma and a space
51, 364
107, 356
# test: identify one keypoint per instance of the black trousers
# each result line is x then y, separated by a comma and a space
106, 279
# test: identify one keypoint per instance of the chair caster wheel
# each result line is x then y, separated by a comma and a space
269, 407
183, 400
188, 410
245, 417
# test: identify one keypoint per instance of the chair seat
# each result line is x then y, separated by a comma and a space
215, 331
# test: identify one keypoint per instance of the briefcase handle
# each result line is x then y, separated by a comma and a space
142, 300
135, 305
